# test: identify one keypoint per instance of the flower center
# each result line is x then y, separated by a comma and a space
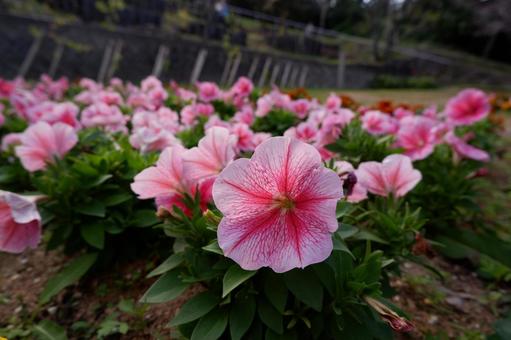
284, 202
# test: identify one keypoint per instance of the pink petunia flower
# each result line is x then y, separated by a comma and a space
300, 107
417, 135
214, 152
395, 175
41, 143
167, 183
244, 136
333, 102
20, 222
278, 206
243, 87
465, 150
306, 132
379, 123
108, 117
9, 140
467, 107
208, 91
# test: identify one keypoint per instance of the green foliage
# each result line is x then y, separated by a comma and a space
276, 121
48, 330
358, 146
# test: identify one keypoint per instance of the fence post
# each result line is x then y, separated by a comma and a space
105, 61
227, 67
199, 64
303, 76
285, 75
234, 70
115, 59
163, 52
30, 56
264, 73
274, 74
55, 60
253, 67
341, 67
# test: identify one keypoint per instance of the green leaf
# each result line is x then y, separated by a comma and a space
347, 230
211, 326
94, 208
117, 199
100, 180
172, 262
340, 245
196, 307
213, 247
144, 218
69, 275
270, 316
305, 285
276, 291
367, 235
93, 234
49, 330
235, 276
343, 208
241, 316
166, 288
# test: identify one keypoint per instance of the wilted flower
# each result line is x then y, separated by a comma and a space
20, 222
279, 207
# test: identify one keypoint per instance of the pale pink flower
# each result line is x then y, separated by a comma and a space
182, 93
260, 137
333, 102
244, 135
306, 132
264, 105
22, 100
214, 120
214, 152
105, 116
109, 97
417, 135
395, 175
165, 178
379, 123
333, 124
10, 139
190, 113
166, 182
359, 192
300, 107
20, 222
150, 83
278, 207
245, 115
243, 87
152, 138
401, 113
41, 143
467, 107
465, 150
208, 91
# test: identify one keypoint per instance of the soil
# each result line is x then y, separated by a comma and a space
460, 305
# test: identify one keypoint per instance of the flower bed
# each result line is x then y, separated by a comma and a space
289, 212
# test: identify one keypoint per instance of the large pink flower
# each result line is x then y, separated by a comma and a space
467, 107
395, 175
168, 183
279, 207
20, 222
208, 91
164, 178
41, 143
465, 150
214, 152
416, 135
